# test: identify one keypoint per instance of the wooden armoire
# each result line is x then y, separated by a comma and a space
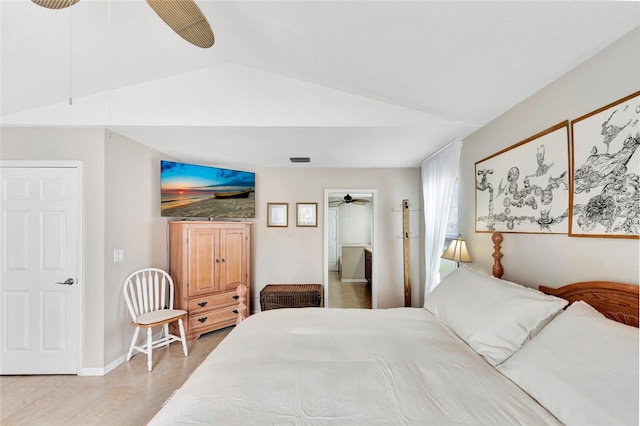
208, 260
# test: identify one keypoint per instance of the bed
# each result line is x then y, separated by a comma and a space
482, 351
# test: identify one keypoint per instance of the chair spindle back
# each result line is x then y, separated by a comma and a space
148, 290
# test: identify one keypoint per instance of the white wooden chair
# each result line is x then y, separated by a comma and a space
149, 296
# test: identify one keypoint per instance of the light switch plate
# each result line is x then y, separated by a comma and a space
118, 255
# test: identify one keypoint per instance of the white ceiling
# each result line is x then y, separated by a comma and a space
348, 83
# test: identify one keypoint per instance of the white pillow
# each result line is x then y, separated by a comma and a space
495, 317
582, 367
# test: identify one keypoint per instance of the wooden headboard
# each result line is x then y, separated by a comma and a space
617, 301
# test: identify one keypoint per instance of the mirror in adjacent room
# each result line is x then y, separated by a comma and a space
349, 248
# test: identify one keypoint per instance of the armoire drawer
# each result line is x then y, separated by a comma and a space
216, 300
213, 317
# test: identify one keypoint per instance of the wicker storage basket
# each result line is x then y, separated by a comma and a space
276, 296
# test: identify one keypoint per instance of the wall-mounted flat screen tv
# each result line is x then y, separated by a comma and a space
194, 191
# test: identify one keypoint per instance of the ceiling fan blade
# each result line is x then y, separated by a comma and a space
55, 4
359, 202
186, 19
336, 203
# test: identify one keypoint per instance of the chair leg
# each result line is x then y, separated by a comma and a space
184, 340
133, 342
149, 348
165, 328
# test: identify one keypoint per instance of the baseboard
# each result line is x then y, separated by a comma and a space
353, 280
103, 371
112, 365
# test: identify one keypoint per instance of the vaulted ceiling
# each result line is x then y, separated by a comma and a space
348, 83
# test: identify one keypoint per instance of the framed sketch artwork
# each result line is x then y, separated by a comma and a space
525, 188
307, 214
277, 215
605, 190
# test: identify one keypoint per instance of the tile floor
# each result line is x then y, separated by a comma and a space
348, 295
126, 396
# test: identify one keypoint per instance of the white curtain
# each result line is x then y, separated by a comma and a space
439, 174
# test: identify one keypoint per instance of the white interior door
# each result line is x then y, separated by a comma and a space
39, 253
332, 236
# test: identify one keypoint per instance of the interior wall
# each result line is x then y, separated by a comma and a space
354, 223
296, 255
88, 146
554, 260
132, 223
121, 193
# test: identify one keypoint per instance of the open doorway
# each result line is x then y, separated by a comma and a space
349, 248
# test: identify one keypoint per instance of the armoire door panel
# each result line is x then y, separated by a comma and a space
233, 267
203, 261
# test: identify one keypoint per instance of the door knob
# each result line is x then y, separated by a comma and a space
69, 281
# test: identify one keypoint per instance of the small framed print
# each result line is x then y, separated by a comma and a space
307, 214
277, 215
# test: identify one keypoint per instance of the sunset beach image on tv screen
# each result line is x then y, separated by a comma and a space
190, 190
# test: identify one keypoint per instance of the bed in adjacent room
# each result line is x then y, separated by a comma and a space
482, 351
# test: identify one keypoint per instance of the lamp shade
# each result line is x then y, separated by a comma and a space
457, 251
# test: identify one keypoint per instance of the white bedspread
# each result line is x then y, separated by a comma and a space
317, 366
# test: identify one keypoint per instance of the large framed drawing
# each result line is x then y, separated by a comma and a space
525, 188
605, 190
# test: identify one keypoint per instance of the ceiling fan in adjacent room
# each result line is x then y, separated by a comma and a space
348, 199
182, 16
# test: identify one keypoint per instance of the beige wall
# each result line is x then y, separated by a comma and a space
121, 192
534, 259
296, 255
132, 223
88, 146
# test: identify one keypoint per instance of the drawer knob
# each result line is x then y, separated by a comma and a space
236, 297
202, 304
203, 319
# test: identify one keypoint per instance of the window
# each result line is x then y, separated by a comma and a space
447, 266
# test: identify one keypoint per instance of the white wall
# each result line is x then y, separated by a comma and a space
354, 223
88, 146
534, 259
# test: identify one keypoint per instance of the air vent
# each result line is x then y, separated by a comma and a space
300, 159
